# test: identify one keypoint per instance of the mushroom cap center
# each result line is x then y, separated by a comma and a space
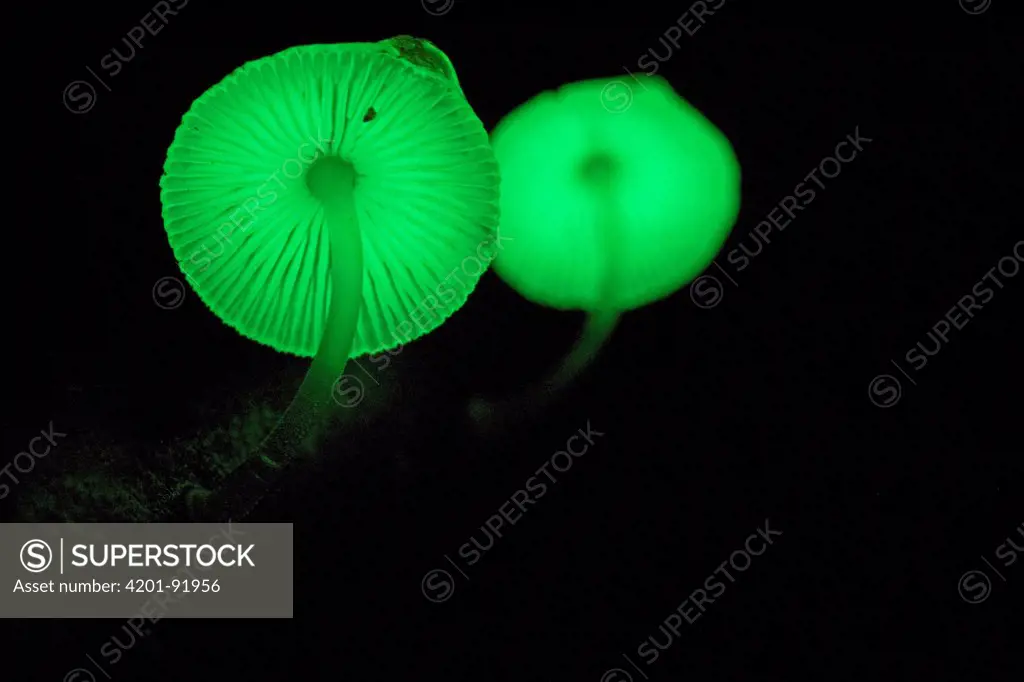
598, 168
329, 174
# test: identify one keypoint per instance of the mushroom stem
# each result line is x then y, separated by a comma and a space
304, 424
599, 172
332, 181
596, 331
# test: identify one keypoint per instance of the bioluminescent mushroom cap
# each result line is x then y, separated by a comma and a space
250, 235
608, 209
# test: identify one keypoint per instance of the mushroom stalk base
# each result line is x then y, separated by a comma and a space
596, 331
301, 430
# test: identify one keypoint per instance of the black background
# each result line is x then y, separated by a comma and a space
715, 419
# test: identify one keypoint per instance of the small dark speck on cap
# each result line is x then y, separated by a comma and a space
371, 114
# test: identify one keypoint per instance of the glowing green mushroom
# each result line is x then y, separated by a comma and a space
609, 208
314, 198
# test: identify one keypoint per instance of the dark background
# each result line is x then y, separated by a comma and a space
715, 419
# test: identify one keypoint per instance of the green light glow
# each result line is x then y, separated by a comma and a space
608, 207
316, 197
253, 239
611, 210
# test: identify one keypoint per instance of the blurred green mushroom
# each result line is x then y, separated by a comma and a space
313, 198
608, 208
